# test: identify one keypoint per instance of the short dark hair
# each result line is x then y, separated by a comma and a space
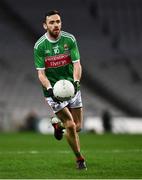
50, 13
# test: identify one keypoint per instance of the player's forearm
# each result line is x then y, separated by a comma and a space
43, 79
77, 72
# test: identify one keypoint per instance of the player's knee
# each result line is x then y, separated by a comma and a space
70, 125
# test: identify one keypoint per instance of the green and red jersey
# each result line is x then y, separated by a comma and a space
56, 57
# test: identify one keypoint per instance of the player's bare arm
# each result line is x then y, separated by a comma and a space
77, 71
43, 79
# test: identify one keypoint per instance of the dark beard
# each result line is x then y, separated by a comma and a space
55, 36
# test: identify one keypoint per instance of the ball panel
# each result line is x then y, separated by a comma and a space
63, 90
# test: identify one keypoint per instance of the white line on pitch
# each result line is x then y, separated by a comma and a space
34, 152
67, 152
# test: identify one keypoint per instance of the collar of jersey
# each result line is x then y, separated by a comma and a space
52, 41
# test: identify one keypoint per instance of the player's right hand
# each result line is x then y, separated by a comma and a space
50, 92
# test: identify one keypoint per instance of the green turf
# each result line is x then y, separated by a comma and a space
28, 155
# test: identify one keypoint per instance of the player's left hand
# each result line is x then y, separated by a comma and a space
76, 86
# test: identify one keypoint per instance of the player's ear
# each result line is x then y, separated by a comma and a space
45, 26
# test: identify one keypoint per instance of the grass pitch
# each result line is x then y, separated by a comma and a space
29, 155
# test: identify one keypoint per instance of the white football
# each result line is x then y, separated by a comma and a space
63, 90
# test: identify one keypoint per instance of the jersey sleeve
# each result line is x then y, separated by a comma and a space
38, 59
75, 56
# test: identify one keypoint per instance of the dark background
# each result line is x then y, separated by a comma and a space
109, 35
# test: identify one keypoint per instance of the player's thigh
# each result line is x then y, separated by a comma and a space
66, 117
77, 114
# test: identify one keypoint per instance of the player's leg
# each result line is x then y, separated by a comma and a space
77, 114
65, 116
71, 135
54, 107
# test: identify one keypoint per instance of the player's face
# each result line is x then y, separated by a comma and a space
53, 25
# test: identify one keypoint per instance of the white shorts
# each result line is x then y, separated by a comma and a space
75, 102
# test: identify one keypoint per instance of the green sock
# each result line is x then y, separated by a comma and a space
78, 154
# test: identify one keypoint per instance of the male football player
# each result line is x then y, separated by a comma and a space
57, 57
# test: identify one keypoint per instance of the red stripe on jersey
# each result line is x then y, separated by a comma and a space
57, 61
